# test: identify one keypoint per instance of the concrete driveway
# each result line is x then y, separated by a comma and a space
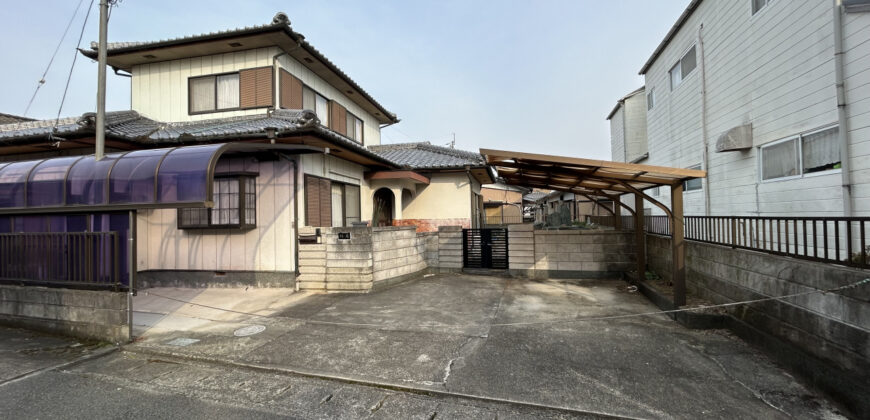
506, 339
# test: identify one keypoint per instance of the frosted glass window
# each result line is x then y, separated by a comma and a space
337, 205
228, 91
351, 205
202, 94
820, 150
321, 107
780, 160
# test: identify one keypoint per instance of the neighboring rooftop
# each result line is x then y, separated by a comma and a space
622, 101
131, 127
425, 155
535, 196
124, 55
9, 118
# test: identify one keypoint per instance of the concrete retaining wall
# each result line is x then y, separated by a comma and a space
96, 315
570, 253
371, 257
449, 248
826, 337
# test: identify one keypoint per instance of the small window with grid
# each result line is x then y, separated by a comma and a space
235, 206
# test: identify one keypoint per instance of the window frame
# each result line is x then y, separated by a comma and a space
244, 223
651, 99
679, 66
798, 138
753, 12
361, 139
700, 181
317, 94
343, 201
190, 79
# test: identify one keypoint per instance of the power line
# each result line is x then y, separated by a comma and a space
53, 55
72, 66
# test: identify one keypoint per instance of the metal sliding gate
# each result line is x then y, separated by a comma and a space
485, 248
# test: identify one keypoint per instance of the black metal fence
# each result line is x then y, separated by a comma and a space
840, 240
83, 259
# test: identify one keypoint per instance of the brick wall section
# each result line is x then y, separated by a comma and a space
449, 248
89, 314
432, 225
830, 327
397, 252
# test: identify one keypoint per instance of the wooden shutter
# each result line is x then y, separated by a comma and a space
291, 91
248, 88
265, 87
337, 118
255, 87
318, 201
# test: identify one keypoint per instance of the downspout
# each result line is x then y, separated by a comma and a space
842, 117
705, 154
294, 164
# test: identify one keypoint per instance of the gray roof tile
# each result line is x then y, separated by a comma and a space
424, 155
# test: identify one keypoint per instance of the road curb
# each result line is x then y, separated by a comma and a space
365, 382
65, 365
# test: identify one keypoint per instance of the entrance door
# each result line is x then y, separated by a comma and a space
485, 248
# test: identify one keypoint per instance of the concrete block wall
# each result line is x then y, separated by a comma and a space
397, 252
826, 337
89, 314
349, 264
569, 253
430, 243
449, 248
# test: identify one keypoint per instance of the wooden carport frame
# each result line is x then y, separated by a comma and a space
591, 178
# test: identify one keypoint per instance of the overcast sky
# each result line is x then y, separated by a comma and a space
538, 76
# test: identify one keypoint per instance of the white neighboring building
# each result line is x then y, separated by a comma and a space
747, 90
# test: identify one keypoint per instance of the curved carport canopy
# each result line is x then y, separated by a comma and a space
598, 178
153, 178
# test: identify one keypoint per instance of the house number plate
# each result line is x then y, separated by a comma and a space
343, 235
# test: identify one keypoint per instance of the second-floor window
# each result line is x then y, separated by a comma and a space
683, 68
758, 5
650, 99
317, 103
815, 151
354, 128
214, 93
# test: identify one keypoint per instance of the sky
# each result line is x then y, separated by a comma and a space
533, 76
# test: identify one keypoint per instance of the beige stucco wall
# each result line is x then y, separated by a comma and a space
268, 247
160, 90
448, 196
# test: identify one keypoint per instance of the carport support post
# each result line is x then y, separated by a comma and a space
640, 237
678, 246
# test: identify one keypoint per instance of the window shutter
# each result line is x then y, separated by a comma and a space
291, 91
265, 87
255, 87
318, 202
325, 203
337, 118
248, 88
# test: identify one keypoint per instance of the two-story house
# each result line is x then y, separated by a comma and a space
771, 98
236, 141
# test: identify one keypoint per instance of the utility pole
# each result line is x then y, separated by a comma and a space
100, 139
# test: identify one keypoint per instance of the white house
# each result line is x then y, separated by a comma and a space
748, 91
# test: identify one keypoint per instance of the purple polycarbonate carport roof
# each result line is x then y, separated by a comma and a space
168, 178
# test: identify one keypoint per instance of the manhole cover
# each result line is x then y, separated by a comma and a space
249, 330
181, 342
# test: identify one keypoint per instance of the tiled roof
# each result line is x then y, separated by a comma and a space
424, 155
133, 127
9, 118
279, 22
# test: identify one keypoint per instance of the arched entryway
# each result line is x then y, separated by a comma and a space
382, 207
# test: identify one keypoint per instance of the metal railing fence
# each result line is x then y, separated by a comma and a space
839, 240
89, 259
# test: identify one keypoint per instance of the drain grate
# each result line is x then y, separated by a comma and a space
249, 330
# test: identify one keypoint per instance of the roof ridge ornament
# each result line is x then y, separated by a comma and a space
281, 19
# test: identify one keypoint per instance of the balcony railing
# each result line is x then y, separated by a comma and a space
839, 240
77, 259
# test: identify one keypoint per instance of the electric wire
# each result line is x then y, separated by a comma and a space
72, 66
529, 323
53, 55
